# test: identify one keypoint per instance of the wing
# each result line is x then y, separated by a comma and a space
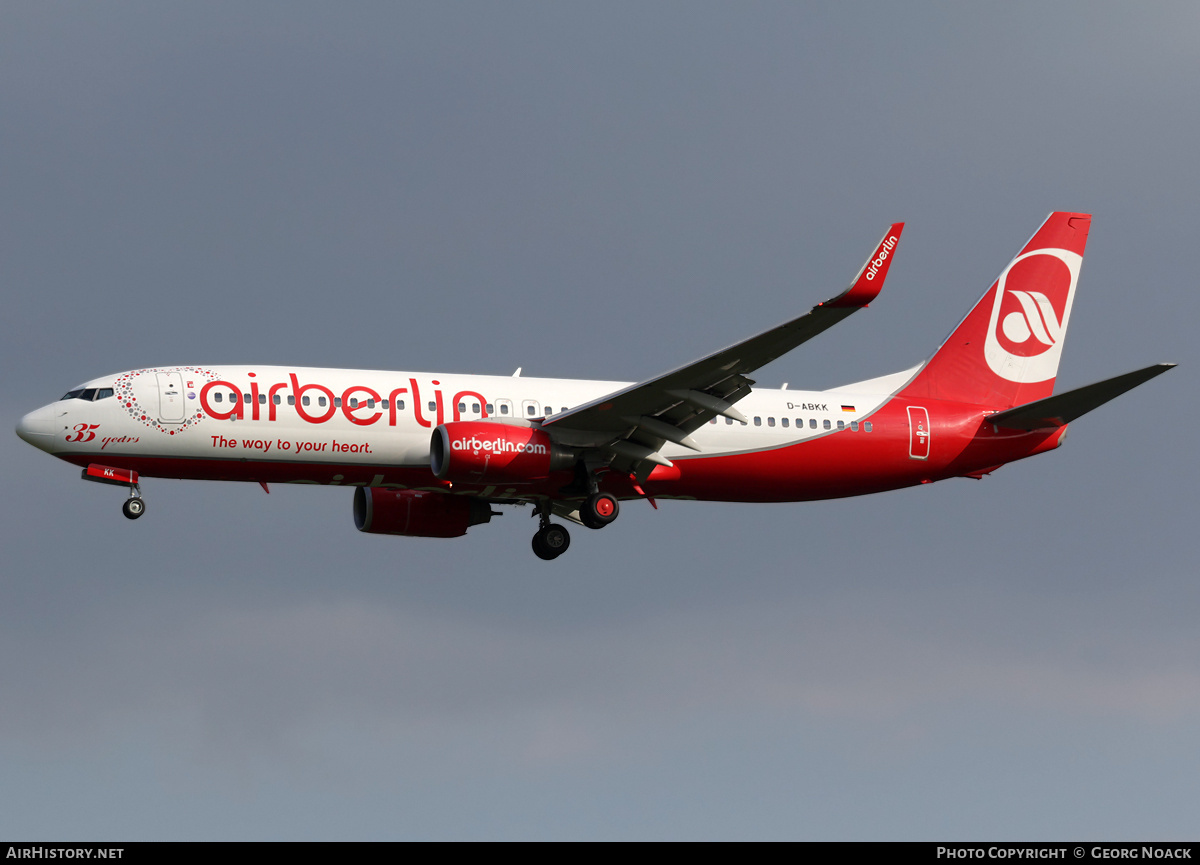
633, 424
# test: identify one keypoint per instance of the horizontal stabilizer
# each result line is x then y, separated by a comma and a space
1060, 410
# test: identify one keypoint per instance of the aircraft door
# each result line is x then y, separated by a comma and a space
918, 433
171, 408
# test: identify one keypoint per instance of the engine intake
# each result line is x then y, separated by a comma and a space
417, 513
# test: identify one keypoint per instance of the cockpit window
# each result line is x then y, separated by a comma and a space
89, 393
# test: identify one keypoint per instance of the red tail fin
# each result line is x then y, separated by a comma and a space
1005, 352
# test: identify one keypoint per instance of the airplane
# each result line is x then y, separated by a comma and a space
431, 454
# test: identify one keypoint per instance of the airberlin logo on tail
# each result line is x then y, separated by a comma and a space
497, 446
885, 249
1036, 318
1029, 314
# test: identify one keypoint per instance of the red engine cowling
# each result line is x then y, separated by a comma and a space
493, 453
417, 513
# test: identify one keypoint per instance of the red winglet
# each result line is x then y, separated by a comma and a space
869, 282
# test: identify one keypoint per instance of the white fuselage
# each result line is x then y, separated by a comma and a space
372, 417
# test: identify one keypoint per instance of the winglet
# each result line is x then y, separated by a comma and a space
869, 281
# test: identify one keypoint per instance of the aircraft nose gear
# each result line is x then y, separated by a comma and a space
598, 510
134, 507
550, 542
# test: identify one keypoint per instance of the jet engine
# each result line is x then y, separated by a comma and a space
483, 452
417, 513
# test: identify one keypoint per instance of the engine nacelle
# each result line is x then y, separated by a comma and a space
494, 453
417, 513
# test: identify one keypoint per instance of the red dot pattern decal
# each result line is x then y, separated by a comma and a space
126, 396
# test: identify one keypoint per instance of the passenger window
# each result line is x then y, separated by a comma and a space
770, 421
530, 410
304, 400
370, 403
291, 399
854, 426
475, 407
217, 396
812, 423
490, 409
246, 398
462, 407
503, 409
728, 421
383, 403
564, 408
399, 405
104, 393
549, 411
337, 402
321, 401
827, 424
757, 420
432, 405
867, 426
783, 421
276, 399
841, 424
262, 399
353, 402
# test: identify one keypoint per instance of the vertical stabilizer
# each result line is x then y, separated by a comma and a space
1006, 351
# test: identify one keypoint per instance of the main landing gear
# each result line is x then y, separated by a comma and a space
598, 510
551, 541
595, 512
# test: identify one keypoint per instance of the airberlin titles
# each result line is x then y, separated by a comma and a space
498, 445
471, 451
885, 249
351, 402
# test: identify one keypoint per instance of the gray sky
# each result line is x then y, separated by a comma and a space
597, 191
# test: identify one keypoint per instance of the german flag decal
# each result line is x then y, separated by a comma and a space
848, 408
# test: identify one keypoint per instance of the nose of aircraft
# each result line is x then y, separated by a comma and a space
37, 427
